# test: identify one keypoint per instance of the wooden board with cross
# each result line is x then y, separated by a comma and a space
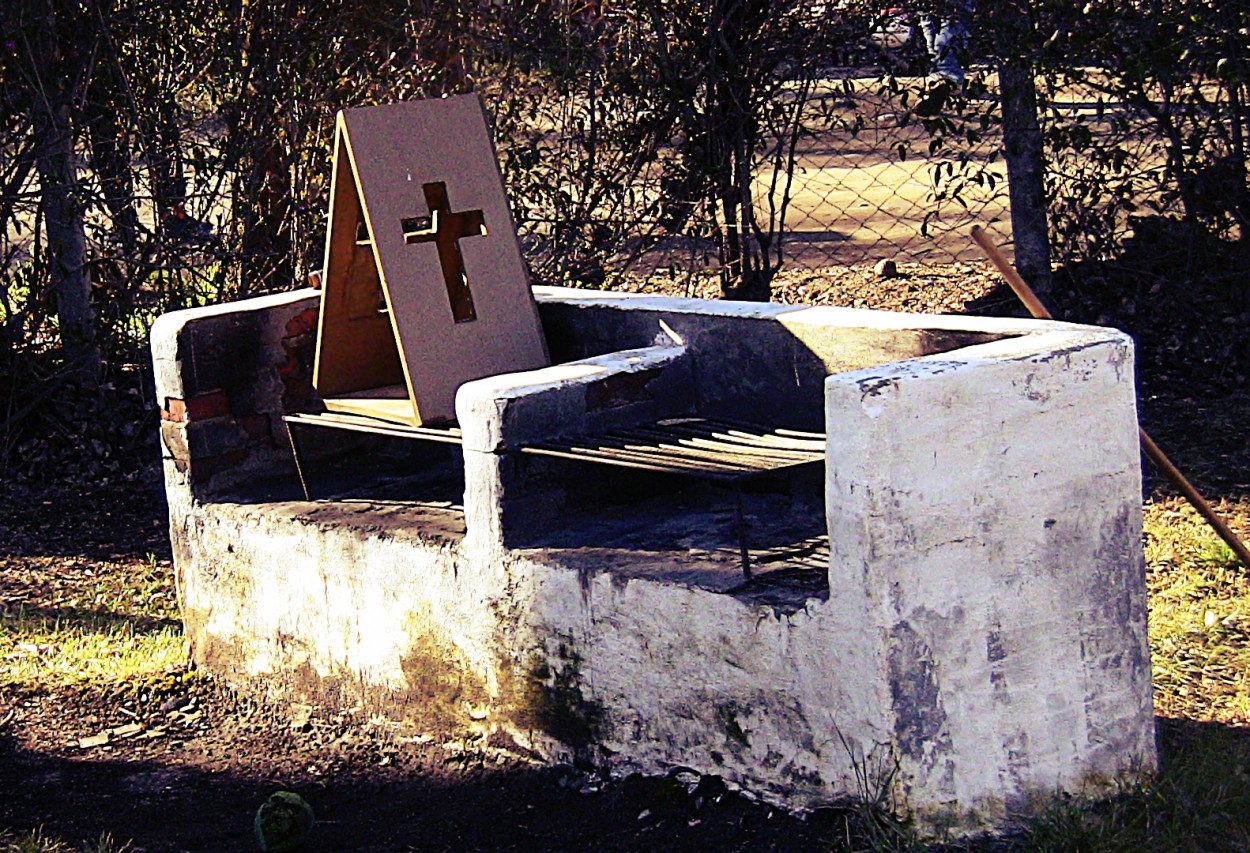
425, 287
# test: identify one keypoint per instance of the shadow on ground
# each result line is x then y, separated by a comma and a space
171, 806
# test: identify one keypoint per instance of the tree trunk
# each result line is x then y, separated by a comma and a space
261, 197
733, 31
61, 196
1022, 144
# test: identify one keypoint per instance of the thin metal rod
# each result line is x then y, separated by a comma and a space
780, 438
735, 444
584, 455
299, 465
743, 547
1037, 309
665, 446
750, 428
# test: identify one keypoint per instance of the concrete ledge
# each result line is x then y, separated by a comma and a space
989, 510
504, 411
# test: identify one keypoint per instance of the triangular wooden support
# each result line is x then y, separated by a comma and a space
425, 288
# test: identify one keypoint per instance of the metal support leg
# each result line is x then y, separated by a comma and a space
742, 532
299, 465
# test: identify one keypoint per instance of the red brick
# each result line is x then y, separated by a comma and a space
210, 404
297, 390
175, 410
302, 323
256, 428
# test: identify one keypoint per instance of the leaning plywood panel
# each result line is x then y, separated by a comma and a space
446, 251
356, 349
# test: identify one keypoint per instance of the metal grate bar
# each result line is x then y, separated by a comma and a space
608, 448
361, 423
622, 461
725, 451
730, 444
718, 450
643, 441
693, 446
748, 428
740, 434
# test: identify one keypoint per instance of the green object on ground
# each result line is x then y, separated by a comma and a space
283, 822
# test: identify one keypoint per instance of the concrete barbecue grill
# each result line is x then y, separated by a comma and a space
941, 515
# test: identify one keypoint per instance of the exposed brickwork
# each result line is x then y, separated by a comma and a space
620, 389
213, 442
305, 322
210, 404
214, 437
225, 381
300, 344
257, 428
175, 410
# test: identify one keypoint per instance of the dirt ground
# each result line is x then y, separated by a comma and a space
188, 762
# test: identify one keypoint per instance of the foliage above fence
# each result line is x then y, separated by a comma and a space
1147, 115
156, 155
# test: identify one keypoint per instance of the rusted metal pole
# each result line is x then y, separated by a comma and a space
1037, 309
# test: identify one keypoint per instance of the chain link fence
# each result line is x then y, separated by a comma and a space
871, 183
866, 166
871, 167
622, 129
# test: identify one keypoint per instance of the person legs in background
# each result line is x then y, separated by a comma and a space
946, 39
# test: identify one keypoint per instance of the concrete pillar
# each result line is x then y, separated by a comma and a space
987, 512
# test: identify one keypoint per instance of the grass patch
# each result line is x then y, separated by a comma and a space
1199, 614
75, 621
42, 652
36, 842
1199, 800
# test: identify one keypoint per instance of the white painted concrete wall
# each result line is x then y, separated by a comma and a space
989, 508
985, 631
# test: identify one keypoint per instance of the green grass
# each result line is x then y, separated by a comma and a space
36, 842
96, 624
1199, 615
1199, 800
41, 653
101, 623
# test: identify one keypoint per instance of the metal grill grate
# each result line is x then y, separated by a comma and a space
700, 447
706, 448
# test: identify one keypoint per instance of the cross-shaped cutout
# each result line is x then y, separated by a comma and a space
445, 228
